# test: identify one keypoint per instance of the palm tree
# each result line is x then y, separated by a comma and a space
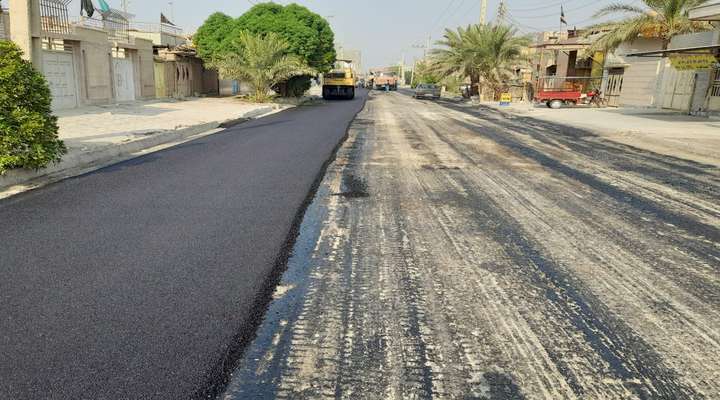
661, 19
455, 56
480, 52
502, 54
263, 61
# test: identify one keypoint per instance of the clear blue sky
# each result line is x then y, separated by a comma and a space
397, 25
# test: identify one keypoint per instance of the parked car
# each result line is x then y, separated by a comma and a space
427, 90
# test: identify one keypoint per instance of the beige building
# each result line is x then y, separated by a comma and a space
178, 72
104, 59
86, 61
684, 77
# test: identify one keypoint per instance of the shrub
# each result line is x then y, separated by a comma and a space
28, 130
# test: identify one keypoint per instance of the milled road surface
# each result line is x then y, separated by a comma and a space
455, 253
141, 280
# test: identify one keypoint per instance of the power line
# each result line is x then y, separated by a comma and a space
544, 7
589, 4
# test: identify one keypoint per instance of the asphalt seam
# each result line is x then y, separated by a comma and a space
219, 376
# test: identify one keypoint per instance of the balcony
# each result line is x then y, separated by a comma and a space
153, 27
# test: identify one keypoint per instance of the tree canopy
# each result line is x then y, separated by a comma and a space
307, 34
660, 19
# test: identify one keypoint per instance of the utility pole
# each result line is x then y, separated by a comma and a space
501, 13
427, 47
483, 12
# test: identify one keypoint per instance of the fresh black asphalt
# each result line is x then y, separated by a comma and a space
143, 279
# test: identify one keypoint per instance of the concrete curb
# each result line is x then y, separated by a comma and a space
80, 162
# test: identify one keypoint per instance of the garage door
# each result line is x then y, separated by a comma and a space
59, 71
124, 81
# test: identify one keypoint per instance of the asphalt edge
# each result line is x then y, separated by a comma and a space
219, 376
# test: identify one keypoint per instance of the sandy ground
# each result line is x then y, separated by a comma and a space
94, 126
454, 253
661, 131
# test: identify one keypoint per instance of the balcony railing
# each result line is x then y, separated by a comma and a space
54, 16
117, 29
155, 27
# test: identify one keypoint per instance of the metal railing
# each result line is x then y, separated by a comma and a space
116, 28
569, 83
715, 89
155, 27
54, 16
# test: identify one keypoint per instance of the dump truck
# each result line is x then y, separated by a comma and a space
339, 84
383, 80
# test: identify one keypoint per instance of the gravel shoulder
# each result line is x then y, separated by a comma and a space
453, 252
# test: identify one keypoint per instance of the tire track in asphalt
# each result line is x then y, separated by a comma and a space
478, 272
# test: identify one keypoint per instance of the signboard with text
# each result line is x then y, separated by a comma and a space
687, 62
505, 99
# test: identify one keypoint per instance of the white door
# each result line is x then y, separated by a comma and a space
59, 71
678, 89
124, 81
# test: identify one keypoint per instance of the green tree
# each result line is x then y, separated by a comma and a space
263, 61
211, 39
661, 19
307, 34
424, 73
28, 130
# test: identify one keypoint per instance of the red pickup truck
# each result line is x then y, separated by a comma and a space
556, 98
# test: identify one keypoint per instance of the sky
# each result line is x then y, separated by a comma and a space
383, 30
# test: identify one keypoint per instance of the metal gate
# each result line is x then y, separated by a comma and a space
59, 71
677, 89
613, 86
124, 79
714, 98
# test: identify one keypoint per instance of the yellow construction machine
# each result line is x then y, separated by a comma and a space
340, 82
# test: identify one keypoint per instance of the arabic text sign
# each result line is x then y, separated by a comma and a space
685, 62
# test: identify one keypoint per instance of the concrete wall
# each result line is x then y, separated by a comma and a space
144, 69
181, 76
641, 79
95, 80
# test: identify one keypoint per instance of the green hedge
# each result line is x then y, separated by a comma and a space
28, 130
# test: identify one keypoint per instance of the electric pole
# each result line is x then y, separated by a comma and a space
501, 13
483, 12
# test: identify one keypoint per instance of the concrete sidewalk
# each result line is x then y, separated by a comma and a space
660, 131
100, 135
